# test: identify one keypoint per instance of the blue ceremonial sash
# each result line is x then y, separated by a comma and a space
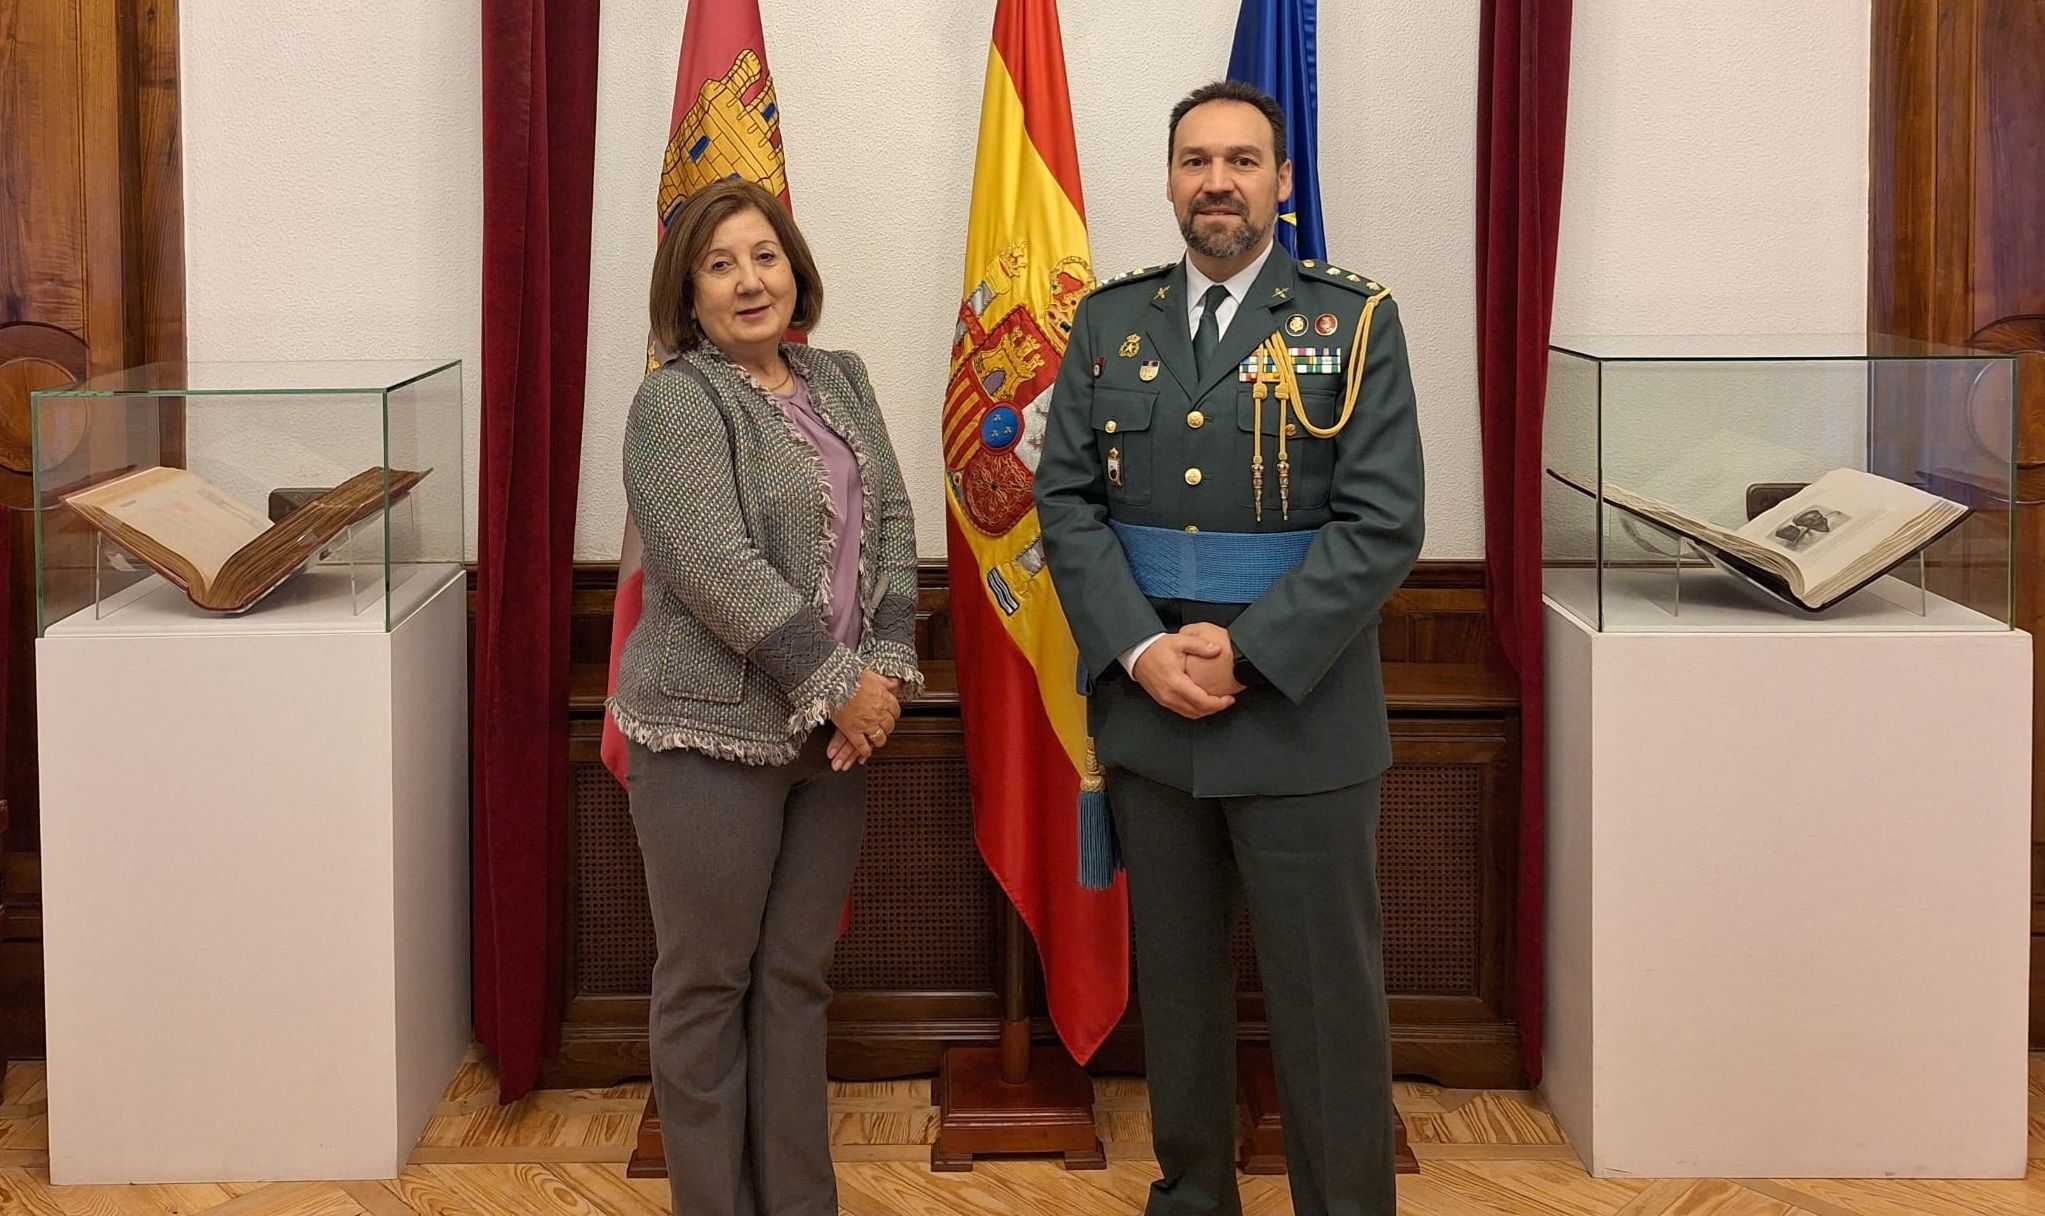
1210, 567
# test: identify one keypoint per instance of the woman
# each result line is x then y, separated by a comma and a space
776, 638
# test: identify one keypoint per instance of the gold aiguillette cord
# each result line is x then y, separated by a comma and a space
1265, 378
1277, 369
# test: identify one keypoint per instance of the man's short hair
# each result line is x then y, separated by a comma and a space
1231, 90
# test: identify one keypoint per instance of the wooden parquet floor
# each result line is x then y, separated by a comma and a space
1482, 1153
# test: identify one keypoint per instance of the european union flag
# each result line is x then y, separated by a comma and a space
1274, 50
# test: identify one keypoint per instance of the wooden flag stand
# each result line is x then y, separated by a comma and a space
649, 1156
1014, 1098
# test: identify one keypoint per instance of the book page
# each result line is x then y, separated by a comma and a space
181, 511
1828, 528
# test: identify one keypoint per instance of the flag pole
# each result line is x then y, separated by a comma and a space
1015, 1012
1027, 267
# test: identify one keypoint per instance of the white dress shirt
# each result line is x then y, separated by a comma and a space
1238, 287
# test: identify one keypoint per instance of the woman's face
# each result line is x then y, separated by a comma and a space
745, 291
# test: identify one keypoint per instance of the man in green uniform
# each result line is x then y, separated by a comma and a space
1230, 488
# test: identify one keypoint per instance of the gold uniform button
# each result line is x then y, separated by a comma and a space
1192, 477
1196, 420
1110, 428
1192, 527
1291, 429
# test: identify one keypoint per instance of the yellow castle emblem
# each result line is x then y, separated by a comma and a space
725, 134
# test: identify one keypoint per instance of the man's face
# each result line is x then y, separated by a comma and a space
1225, 182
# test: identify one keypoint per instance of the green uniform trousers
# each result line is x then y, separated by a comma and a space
1308, 867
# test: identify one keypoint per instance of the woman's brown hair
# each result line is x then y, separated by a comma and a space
672, 299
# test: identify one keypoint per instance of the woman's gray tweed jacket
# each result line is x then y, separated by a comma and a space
731, 656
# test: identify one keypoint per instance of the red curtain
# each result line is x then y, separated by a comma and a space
539, 144
1523, 99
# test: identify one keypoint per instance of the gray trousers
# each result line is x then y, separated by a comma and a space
1308, 866
747, 869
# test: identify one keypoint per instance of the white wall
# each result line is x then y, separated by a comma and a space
1716, 178
333, 182
1716, 182
333, 167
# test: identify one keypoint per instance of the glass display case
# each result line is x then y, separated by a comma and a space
1856, 482
201, 497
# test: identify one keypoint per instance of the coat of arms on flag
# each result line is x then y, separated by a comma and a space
1005, 357
732, 130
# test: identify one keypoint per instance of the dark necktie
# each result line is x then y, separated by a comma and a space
1207, 334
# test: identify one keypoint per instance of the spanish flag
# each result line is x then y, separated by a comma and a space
725, 124
1027, 268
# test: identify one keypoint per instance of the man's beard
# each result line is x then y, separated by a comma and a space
1232, 243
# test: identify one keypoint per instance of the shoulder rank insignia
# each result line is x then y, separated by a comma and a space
1138, 273
1329, 272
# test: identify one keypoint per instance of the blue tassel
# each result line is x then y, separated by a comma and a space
1100, 855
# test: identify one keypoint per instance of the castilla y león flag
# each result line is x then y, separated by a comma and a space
725, 124
1026, 270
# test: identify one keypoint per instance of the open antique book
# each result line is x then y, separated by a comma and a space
1819, 545
223, 553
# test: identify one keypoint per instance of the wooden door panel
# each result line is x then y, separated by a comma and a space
91, 280
42, 199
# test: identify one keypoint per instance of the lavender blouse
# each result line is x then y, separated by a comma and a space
848, 510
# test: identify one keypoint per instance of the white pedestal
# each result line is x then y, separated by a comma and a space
255, 885
1788, 900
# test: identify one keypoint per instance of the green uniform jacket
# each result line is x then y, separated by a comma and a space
1182, 446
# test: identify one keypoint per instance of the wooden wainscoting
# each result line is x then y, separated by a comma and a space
917, 972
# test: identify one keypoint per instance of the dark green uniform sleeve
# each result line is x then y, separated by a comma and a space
1106, 609
1295, 632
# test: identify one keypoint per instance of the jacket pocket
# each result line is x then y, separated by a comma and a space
1312, 460
1121, 423
695, 666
